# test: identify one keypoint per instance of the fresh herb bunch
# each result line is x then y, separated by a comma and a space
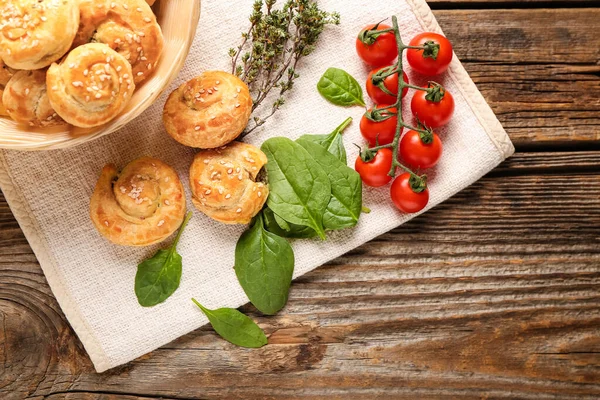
273, 45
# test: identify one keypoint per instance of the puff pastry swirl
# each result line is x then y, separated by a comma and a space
208, 111
142, 205
91, 86
35, 33
128, 26
25, 99
223, 183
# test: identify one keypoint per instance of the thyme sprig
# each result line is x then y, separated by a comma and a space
275, 42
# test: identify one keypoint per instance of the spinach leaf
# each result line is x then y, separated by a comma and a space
345, 205
264, 264
279, 226
334, 142
299, 188
158, 277
234, 326
340, 88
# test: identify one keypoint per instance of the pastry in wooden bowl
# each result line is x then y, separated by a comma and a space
209, 111
5, 74
35, 33
91, 86
128, 26
223, 183
25, 99
142, 205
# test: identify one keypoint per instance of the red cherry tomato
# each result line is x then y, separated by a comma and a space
405, 198
430, 61
379, 132
430, 113
381, 51
417, 154
375, 172
391, 84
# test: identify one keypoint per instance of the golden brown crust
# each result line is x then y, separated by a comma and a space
223, 183
25, 99
6, 73
209, 111
35, 33
91, 86
3, 112
142, 205
128, 27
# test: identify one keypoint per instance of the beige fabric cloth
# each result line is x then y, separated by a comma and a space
93, 280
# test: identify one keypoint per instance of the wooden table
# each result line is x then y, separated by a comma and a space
494, 294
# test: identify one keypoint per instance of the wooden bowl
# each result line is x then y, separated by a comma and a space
178, 20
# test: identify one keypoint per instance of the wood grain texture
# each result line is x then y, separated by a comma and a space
493, 294
536, 68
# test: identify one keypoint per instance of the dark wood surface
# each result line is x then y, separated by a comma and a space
495, 294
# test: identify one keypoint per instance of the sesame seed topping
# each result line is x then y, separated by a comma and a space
125, 6
202, 100
259, 194
147, 19
206, 161
239, 90
220, 191
161, 222
26, 91
113, 5
119, 68
98, 95
106, 223
138, 9
212, 117
228, 196
197, 128
210, 91
140, 73
215, 89
167, 202
237, 169
149, 66
207, 192
230, 171
239, 210
86, 72
77, 84
237, 105
72, 65
240, 177
123, 189
44, 19
167, 179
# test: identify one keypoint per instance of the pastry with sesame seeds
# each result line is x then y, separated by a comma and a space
139, 206
25, 99
209, 111
224, 183
128, 26
35, 33
91, 86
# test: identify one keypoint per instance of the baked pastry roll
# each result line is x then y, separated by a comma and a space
25, 99
35, 33
223, 183
6, 73
128, 26
142, 205
91, 86
209, 111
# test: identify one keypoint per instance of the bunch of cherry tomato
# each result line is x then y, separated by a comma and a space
418, 148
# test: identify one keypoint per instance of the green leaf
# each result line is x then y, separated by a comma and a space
264, 265
299, 187
158, 277
345, 205
340, 88
334, 142
234, 326
279, 226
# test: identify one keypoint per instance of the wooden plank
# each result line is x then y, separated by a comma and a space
539, 72
493, 294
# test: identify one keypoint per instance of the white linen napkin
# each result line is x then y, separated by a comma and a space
93, 280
